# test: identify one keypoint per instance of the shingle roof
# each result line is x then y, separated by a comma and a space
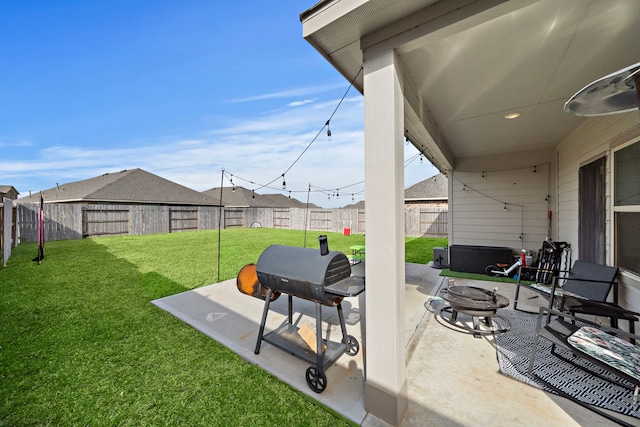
434, 188
357, 205
242, 197
4, 189
282, 201
127, 186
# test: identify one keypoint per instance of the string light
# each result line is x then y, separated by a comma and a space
329, 193
320, 131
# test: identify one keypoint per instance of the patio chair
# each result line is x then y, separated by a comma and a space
610, 349
585, 291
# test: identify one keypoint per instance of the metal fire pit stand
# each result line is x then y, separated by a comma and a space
477, 303
286, 336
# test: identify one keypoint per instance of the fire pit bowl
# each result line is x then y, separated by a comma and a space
476, 303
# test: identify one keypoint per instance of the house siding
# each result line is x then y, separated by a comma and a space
478, 216
594, 139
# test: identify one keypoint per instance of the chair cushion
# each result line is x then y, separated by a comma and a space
613, 351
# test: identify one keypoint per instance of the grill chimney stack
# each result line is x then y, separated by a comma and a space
324, 245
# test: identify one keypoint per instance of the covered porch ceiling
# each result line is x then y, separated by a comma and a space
469, 63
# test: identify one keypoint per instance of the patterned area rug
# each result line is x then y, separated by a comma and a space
514, 348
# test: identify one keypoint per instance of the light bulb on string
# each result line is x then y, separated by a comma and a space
253, 195
289, 193
505, 206
352, 198
328, 130
284, 184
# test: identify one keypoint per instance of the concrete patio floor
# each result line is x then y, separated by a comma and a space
453, 377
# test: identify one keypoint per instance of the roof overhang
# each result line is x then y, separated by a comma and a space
468, 64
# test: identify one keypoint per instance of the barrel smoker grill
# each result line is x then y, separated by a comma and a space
323, 277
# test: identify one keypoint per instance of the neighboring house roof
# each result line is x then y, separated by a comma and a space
357, 205
242, 197
8, 189
282, 201
127, 186
235, 196
434, 188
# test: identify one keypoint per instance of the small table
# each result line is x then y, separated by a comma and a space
476, 303
357, 253
609, 352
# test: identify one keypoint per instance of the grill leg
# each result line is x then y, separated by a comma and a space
290, 309
345, 339
319, 352
264, 320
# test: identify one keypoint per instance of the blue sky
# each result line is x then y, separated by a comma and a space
181, 89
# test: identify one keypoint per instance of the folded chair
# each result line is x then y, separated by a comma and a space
546, 273
610, 349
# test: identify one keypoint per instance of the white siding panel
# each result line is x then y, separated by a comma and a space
479, 216
592, 140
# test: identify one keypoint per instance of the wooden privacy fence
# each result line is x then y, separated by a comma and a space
75, 221
8, 229
65, 221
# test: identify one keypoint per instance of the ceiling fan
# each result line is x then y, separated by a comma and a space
618, 92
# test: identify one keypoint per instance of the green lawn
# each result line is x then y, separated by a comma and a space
81, 344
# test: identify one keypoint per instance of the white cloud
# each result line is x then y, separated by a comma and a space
292, 93
256, 151
299, 103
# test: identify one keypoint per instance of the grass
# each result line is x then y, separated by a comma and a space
81, 344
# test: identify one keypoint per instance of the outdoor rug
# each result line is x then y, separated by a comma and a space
513, 351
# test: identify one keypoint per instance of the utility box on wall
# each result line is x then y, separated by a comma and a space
475, 259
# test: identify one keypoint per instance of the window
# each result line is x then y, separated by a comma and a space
626, 206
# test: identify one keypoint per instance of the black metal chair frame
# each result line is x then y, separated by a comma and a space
558, 331
585, 291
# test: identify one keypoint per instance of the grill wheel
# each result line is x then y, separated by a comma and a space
316, 379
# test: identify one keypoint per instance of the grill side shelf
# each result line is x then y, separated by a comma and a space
349, 287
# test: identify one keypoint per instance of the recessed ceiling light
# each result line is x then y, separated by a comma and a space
512, 116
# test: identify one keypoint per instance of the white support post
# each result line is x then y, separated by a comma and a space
385, 386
